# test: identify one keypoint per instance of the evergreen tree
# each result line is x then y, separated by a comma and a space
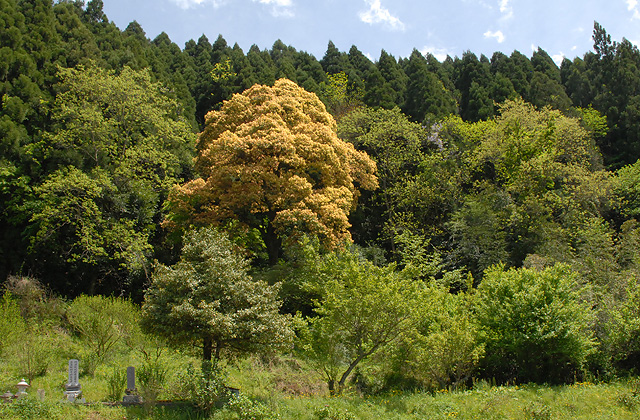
334, 61
394, 77
542, 63
262, 65
427, 98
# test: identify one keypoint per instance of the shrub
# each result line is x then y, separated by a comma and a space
35, 302
330, 413
625, 329
534, 324
10, 322
116, 383
27, 408
244, 408
446, 349
151, 378
102, 323
205, 388
29, 346
631, 399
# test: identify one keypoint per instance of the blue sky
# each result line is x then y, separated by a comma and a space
560, 27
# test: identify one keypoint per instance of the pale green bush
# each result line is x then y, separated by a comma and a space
102, 324
534, 324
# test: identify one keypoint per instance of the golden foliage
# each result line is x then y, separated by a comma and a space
273, 153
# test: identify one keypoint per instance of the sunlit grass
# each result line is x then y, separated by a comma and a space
288, 389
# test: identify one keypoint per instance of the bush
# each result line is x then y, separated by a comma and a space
116, 383
29, 346
102, 323
330, 413
26, 408
442, 352
151, 378
534, 324
35, 302
625, 330
631, 399
205, 388
446, 348
10, 322
244, 408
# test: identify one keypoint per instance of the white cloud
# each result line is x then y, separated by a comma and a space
439, 53
632, 6
378, 14
279, 8
506, 9
498, 35
558, 58
277, 3
187, 4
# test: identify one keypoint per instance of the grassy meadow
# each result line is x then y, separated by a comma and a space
284, 389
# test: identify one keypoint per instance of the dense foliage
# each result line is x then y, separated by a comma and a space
270, 160
493, 203
207, 299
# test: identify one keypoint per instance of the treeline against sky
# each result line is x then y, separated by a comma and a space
63, 64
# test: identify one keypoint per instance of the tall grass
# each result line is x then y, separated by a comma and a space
618, 400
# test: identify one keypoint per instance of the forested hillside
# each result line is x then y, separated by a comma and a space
488, 171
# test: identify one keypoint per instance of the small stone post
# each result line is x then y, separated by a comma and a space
131, 393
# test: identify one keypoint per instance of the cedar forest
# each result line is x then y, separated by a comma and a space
472, 218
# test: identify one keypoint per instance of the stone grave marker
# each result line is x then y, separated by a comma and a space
131, 393
73, 390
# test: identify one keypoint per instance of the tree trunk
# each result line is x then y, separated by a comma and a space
332, 387
353, 364
218, 350
207, 349
271, 241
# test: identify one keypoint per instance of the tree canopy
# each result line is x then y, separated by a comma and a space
271, 160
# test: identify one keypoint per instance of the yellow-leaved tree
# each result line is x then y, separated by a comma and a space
270, 160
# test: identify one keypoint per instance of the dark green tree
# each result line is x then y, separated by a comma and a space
119, 144
428, 100
334, 61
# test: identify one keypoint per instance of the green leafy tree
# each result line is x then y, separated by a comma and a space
362, 309
626, 186
477, 231
75, 231
118, 146
398, 147
529, 180
207, 299
338, 96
